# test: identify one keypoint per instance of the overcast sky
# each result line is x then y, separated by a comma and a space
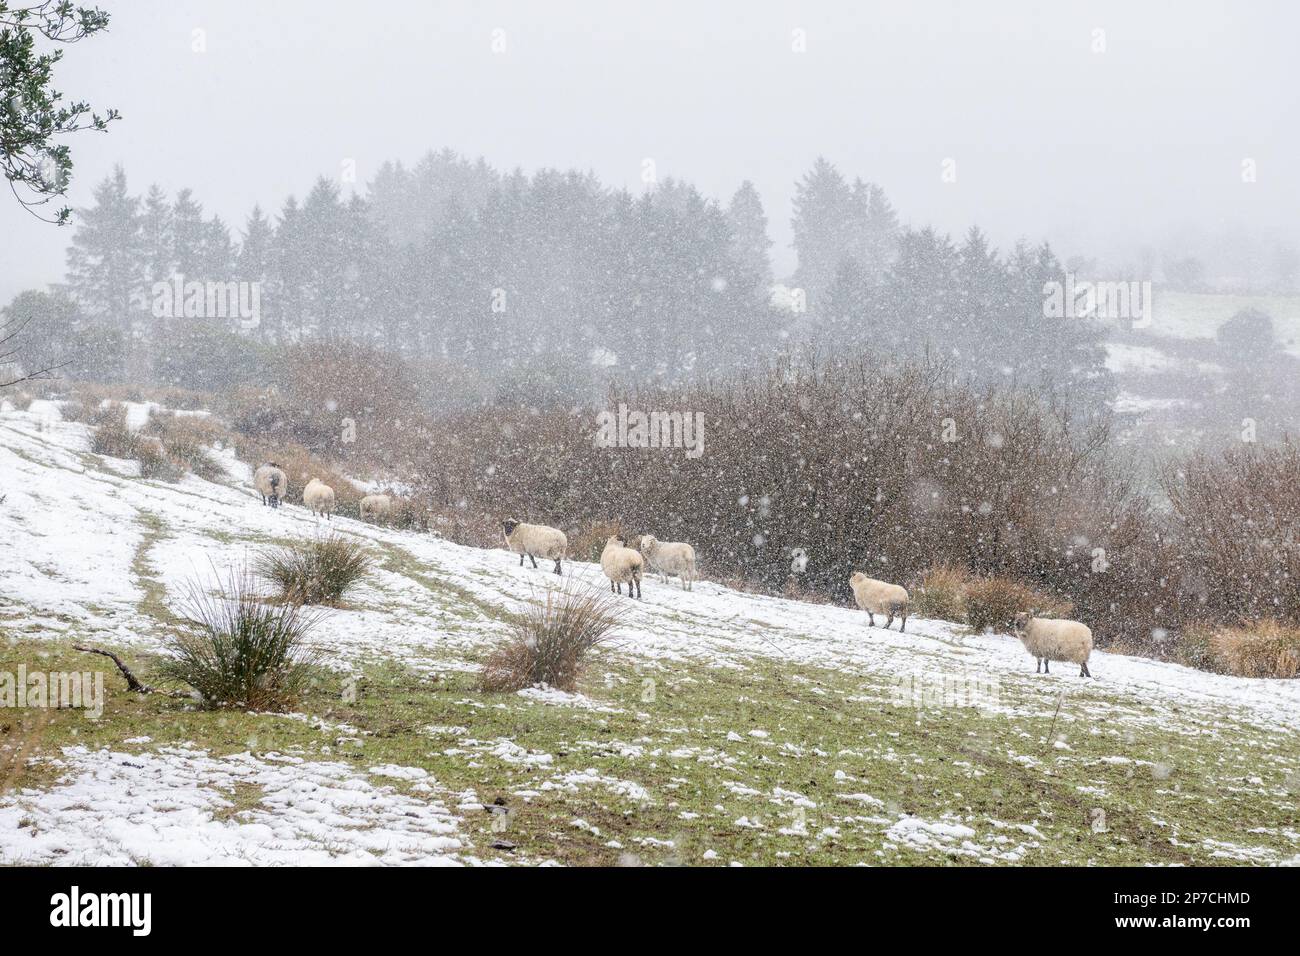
1097, 151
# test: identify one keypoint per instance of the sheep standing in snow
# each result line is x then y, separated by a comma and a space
620, 563
1054, 639
533, 540
270, 483
670, 559
319, 497
879, 597
376, 507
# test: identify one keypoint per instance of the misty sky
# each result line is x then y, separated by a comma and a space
1099, 152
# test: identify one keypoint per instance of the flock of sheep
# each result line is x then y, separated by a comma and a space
1047, 639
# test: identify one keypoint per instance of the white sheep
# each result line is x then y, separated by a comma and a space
270, 483
620, 563
879, 597
376, 507
319, 497
533, 540
670, 559
1054, 639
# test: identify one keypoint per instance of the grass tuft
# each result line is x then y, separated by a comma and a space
239, 650
321, 571
549, 641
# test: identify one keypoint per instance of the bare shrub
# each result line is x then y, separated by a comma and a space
549, 640
74, 411
588, 541
112, 435
321, 571
240, 651
184, 440
992, 603
1259, 649
1237, 519
941, 594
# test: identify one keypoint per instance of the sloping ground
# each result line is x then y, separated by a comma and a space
722, 726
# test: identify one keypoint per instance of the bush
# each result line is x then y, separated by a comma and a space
185, 439
942, 594
992, 603
21, 401
1259, 649
588, 542
322, 571
1236, 514
112, 436
74, 411
549, 640
241, 651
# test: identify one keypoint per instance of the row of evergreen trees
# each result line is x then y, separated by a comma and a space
504, 271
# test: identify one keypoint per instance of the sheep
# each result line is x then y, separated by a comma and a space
670, 559
879, 597
1054, 639
621, 563
319, 497
270, 483
376, 507
531, 540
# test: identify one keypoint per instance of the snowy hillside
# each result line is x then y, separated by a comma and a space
720, 726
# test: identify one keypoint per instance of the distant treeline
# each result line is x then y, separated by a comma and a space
555, 278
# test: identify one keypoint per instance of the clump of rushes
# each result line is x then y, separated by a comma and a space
237, 650
321, 571
549, 641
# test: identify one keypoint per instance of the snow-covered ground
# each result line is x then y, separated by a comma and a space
88, 548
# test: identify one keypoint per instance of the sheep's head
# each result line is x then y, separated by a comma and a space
648, 543
857, 577
1022, 620
509, 525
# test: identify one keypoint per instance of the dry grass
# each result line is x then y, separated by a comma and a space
1265, 648
184, 440
588, 541
322, 571
112, 436
942, 594
549, 641
992, 603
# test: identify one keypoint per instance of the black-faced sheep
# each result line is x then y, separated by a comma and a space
1054, 639
270, 483
879, 597
535, 540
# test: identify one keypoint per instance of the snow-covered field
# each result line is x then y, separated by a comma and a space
93, 554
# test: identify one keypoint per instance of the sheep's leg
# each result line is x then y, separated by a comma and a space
557, 565
1038, 665
871, 619
637, 582
1046, 669
618, 586
1083, 672
532, 559
521, 560
890, 621
903, 627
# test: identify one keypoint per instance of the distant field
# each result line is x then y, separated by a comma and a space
1195, 315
